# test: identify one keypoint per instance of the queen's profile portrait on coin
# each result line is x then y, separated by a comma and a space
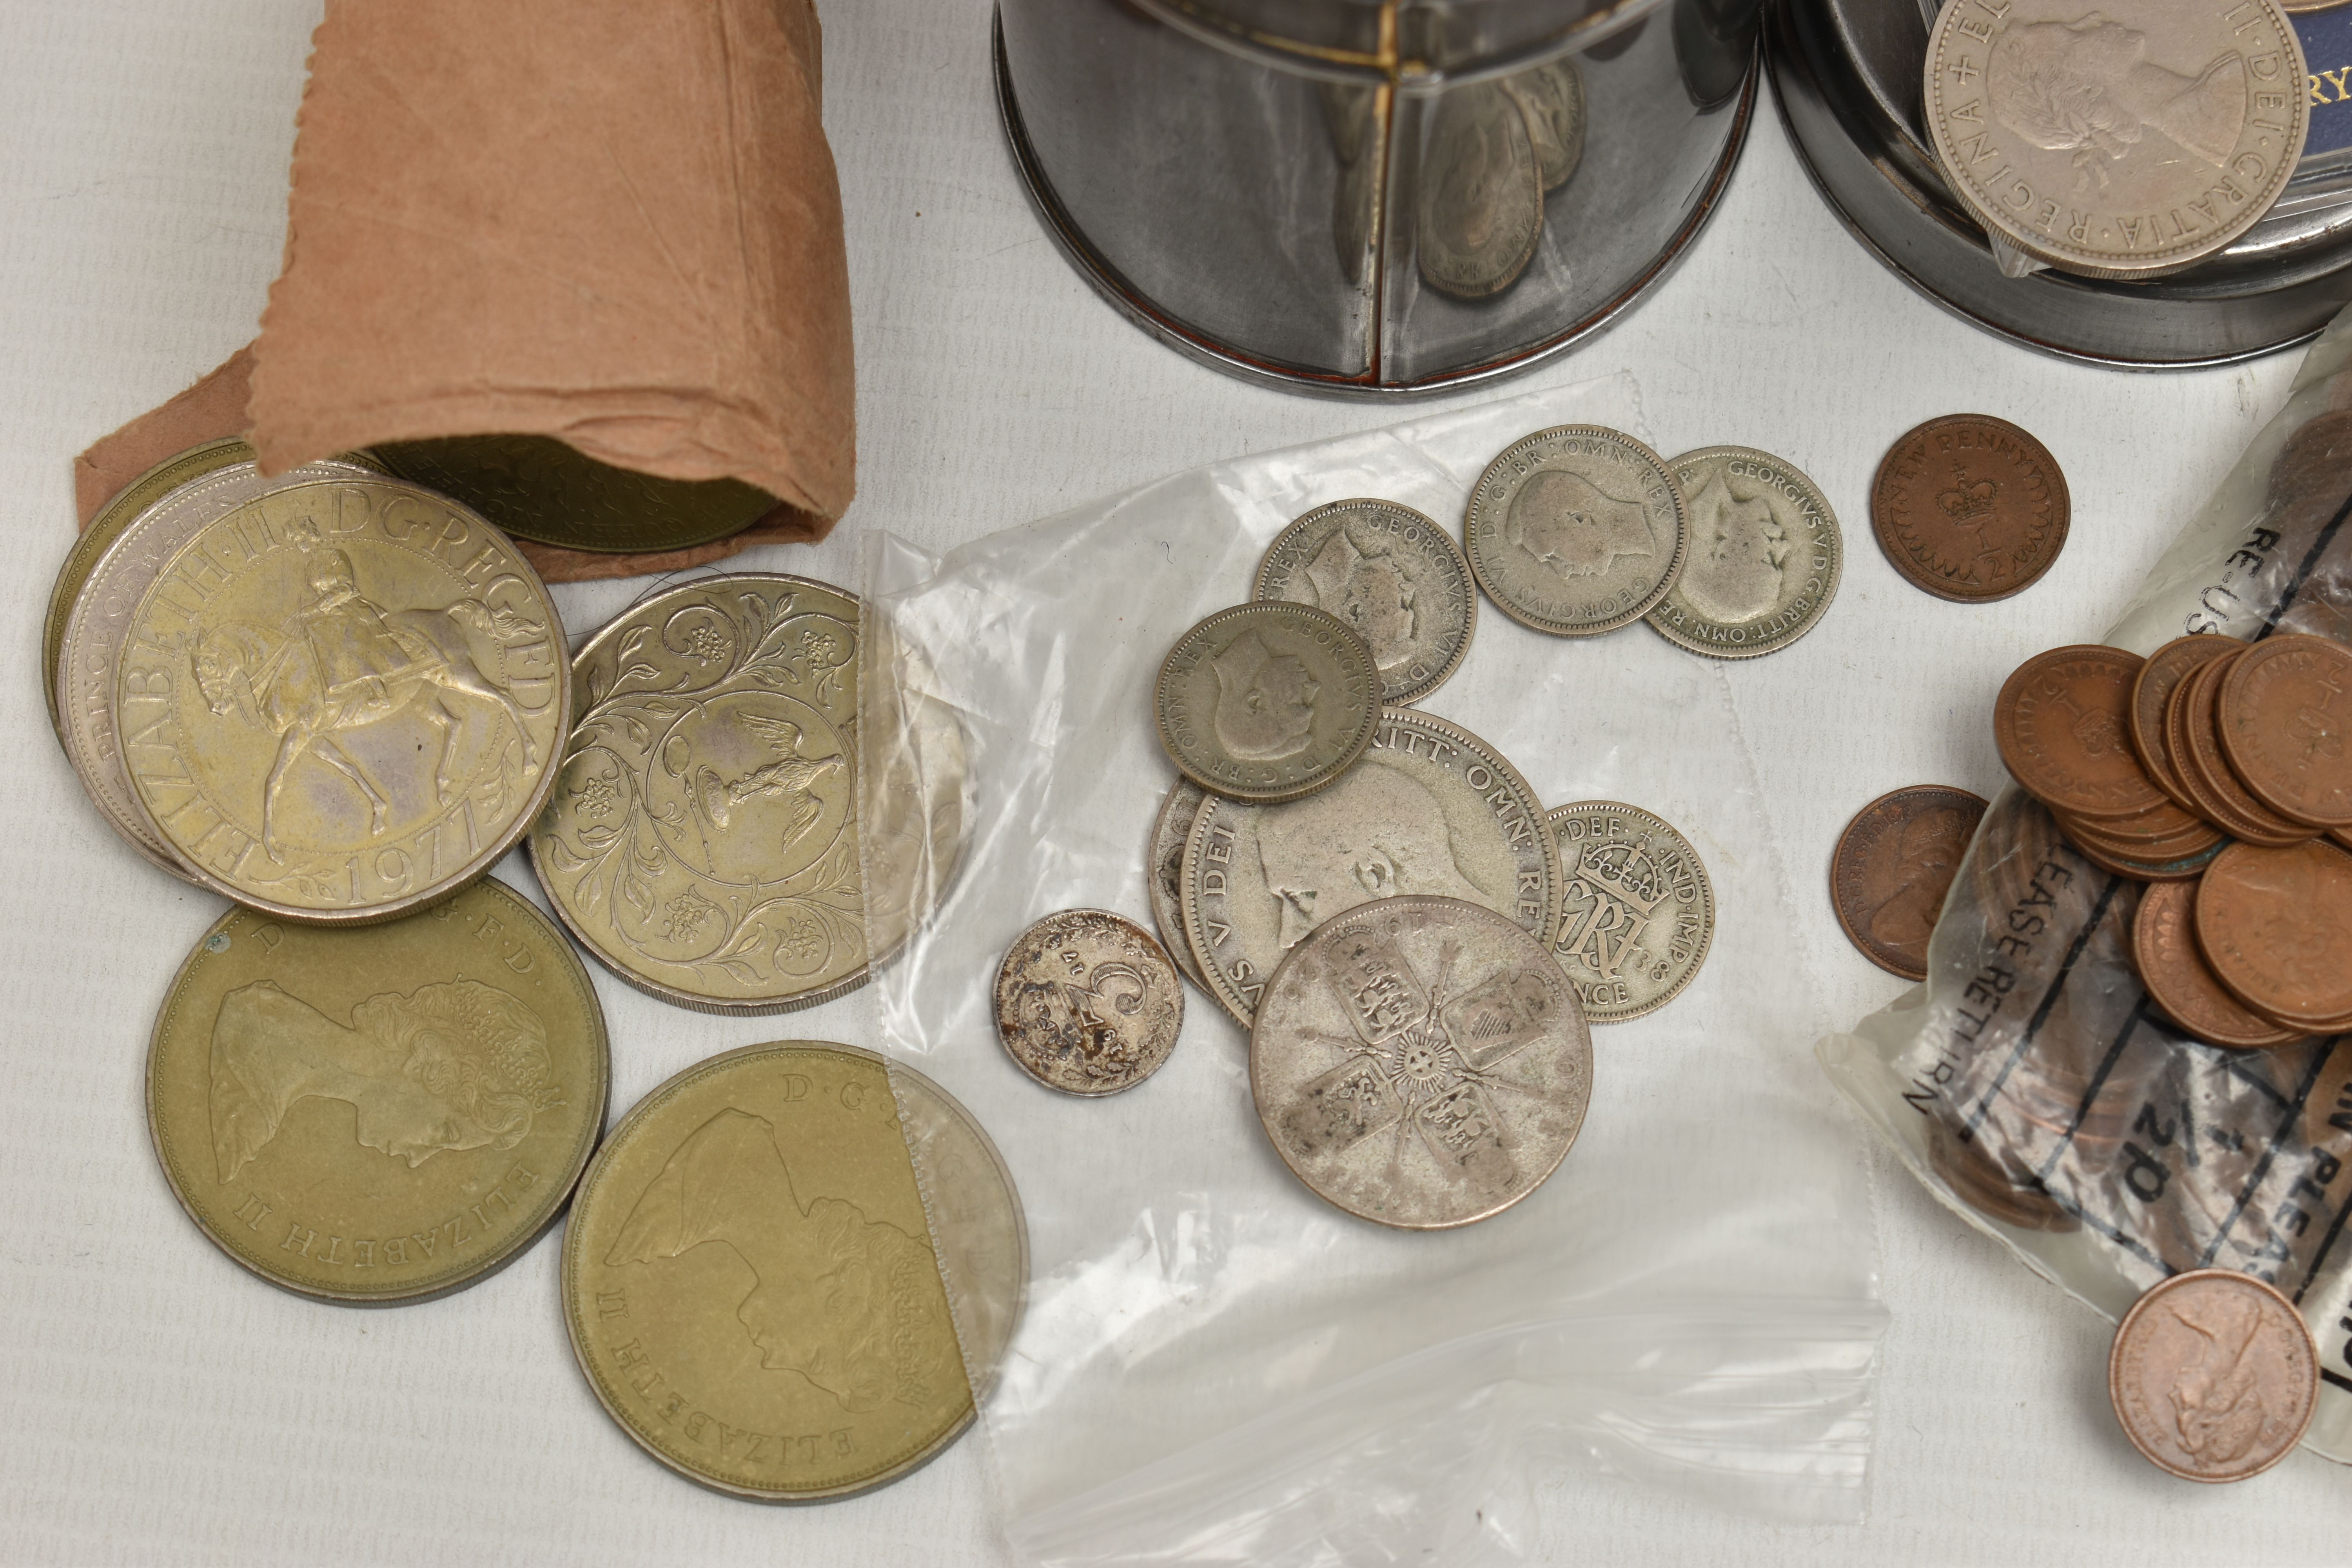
2086, 87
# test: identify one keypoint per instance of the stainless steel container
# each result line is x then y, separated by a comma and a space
1375, 197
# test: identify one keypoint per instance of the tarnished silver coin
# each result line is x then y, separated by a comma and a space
1551, 96
1765, 555
1088, 1003
2125, 140
1431, 809
1577, 529
1481, 211
1391, 573
1164, 874
1420, 1062
1637, 910
1267, 700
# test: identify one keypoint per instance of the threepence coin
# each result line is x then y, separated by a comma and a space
703, 836
1431, 809
2284, 712
1482, 209
1765, 555
750, 1281
1892, 865
1420, 1062
1391, 573
1576, 529
382, 1114
2062, 725
2213, 1375
1636, 911
1088, 1003
1266, 702
2128, 140
536, 486
1969, 508
1164, 874
2178, 979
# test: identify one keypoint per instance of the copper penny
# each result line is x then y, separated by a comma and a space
2178, 980
2061, 724
1892, 868
2186, 868
1979, 1181
2276, 926
2214, 1375
1969, 508
2203, 801
2163, 823
2284, 713
2166, 669
2201, 840
2242, 814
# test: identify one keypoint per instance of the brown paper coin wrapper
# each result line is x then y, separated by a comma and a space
615, 223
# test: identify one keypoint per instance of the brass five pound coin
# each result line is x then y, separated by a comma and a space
1577, 529
1391, 573
1765, 555
1636, 910
2213, 1375
1267, 701
1969, 508
1891, 866
1088, 1003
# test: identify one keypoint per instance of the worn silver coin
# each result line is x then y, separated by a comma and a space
1551, 96
1431, 809
1088, 1003
1577, 529
1165, 880
1391, 573
1420, 1062
1481, 208
1765, 555
1266, 702
1637, 910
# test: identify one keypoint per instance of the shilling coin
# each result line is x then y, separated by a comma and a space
2213, 1375
382, 1114
2276, 926
1577, 529
2152, 691
2128, 140
536, 486
1636, 911
98, 619
1392, 574
1088, 1003
2173, 969
1892, 868
1765, 555
1551, 96
2062, 725
1969, 508
1482, 210
1164, 880
342, 699
755, 1291
1430, 809
702, 840
1420, 1062
1266, 702
2284, 711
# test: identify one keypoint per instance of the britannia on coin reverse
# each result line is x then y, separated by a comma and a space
2276, 926
758, 1290
1088, 1003
2062, 725
1892, 868
1480, 205
380, 1114
341, 700
1636, 910
1389, 572
1765, 555
2178, 980
1969, 508
1267, 701
1577, 529
2213, 1375
1420, 1062
2285, 719
1164, 874
2126, 141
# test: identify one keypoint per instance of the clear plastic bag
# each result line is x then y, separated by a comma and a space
1216, 1365
2032, 1086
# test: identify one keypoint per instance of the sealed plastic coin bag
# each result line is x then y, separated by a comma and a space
2032, 1085
1216, 1365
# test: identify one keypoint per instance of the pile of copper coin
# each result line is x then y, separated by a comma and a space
2217, 772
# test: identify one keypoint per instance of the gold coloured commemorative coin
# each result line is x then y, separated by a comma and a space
1636, 909
537, 487
384, 1114
1266, 702
752, 1285
1577, 529
342, 699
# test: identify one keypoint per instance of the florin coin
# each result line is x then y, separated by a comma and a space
1392, 574
1891, 866
537, 487
1266, 702
1420, 1062
99, 616
751, 1286
1165, 880
2178, 979
1969, 508
1088, 1003
702, 840
1577, 529
1431, 809
1636, 911
2152, 691
1765, 555
342, 699
2276, 926
383, 1114
1551, 98
1481, 208
2213, 1375
2283, 711
2060, 723
2128, 141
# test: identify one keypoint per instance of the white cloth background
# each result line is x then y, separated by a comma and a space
162, 1406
